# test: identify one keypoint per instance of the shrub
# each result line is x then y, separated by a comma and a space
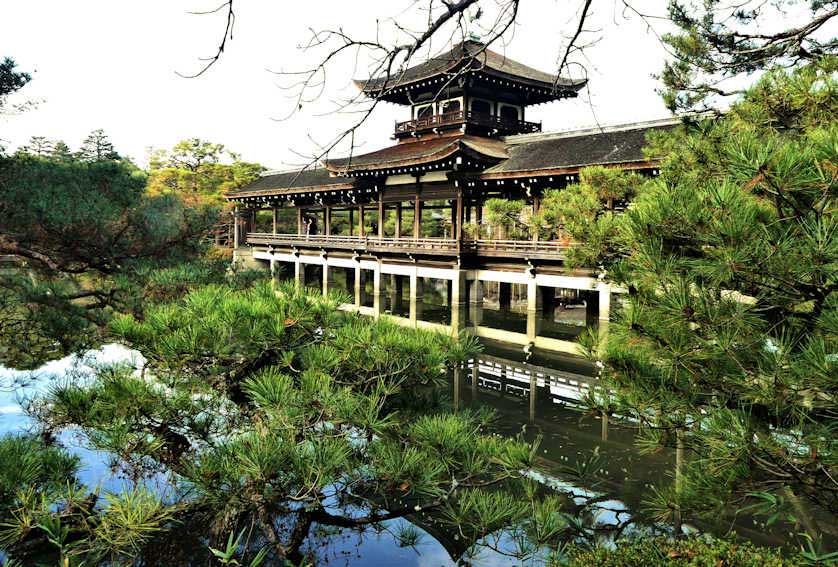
693, 552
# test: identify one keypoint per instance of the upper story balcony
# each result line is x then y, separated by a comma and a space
488, 123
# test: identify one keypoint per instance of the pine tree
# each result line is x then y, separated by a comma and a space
726, 347
38, 146
11, 80
60, 150
96, 147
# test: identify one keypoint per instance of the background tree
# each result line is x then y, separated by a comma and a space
38, 146
96, 147
199, 171
191, 154
11, 79
60, 150
77, 232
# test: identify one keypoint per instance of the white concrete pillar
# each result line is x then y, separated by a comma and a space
604, 301
299, 274
458, 302
358, 284
475, 303
534, 310
377, 307
416, 296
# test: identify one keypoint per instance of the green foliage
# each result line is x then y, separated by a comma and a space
584, 214
227, 556
97, 147
505, 216
691, 552
717, 45
28, 463
729, 330
272, 403
66, 524
81, 235
196, 170
11, 79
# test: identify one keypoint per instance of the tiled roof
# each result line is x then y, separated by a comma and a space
531, 153
479, 58
294, 181
513, 157
411, 153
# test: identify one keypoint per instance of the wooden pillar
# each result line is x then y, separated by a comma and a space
236, 228
458, 233
536, 206
398, 220
380, 214
327, 221
361, 220
299, 221
274, 212
351, 221
417, 217
504, 296
591, 307
453, 218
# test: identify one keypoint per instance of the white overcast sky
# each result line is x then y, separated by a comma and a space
112, 64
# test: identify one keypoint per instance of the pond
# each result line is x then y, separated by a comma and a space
606, 499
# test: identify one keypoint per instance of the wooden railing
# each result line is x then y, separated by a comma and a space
520, 248
359, 243
441, 246
502, 125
